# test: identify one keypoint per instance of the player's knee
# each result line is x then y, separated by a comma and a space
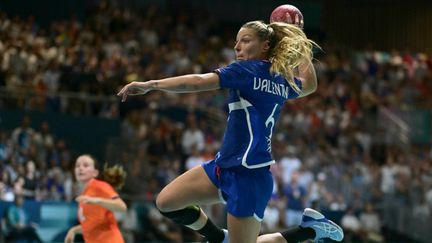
163, 204
271, 238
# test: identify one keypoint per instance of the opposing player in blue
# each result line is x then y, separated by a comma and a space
274, 64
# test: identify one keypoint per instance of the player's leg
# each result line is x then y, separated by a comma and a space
271, 238
243, 230
179, 199
191, 188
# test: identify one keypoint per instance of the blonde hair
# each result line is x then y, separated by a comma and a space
288, 47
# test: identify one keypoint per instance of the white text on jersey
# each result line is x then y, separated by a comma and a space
266, 85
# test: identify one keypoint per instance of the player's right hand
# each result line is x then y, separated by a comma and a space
133, 88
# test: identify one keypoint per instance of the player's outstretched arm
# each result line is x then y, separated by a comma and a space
115, 205
307, 75
179, 84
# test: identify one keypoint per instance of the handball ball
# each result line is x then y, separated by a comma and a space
288, 14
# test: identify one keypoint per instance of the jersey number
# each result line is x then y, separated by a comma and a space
270, 122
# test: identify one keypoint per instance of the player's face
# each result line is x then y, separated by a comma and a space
248, 46
85, 169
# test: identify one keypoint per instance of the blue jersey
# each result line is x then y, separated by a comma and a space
255, 101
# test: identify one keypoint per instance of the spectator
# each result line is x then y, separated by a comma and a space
128, 223
194, 159
296, 198
6, 147
192, 136
19, 189
60, 154
18, 225
352, 226
290, 164
44, 141
23, 137
422, 210
272, 220
6, 188
30, 181
55, 186
371, 223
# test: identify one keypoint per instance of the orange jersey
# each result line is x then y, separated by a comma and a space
98, 223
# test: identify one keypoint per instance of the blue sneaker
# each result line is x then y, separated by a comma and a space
323, 227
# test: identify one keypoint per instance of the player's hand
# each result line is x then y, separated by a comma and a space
70, 236
133, 88
87, 199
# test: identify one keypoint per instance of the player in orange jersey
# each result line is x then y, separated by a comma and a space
97, 202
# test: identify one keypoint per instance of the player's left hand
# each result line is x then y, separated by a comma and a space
87, 199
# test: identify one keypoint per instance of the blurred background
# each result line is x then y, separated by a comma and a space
358, 150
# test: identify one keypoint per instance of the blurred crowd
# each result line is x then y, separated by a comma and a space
328, 147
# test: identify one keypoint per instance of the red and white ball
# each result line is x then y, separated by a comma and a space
288, 14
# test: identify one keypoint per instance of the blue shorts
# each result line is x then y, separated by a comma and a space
245, 192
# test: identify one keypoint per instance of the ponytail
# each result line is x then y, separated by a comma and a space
289, 46
115, 176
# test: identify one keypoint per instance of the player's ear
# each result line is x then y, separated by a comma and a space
266, 46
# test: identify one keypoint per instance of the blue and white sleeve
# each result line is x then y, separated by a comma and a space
232, 76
